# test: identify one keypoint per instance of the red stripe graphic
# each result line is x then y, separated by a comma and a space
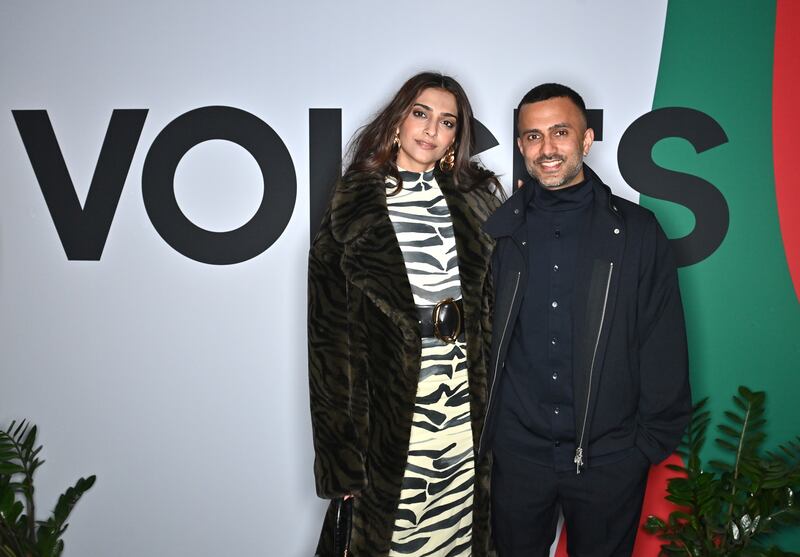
785, 124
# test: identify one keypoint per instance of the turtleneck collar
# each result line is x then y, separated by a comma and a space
414, 181
411, 176
567, 199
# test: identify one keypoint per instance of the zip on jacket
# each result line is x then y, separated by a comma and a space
579, 463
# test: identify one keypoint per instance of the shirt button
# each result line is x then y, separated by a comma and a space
516, 211
556, 411
557, 443
553, 341
554, 304
558, 234
524, 243
555, 375
616, 231
555, 268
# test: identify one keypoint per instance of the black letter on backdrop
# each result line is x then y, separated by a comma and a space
83, 231
484, 139
277, 169
636, 165
325, 160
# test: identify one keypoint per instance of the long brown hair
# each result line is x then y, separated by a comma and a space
372, 149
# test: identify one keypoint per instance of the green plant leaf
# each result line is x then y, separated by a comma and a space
720, 465
676, 468
733, 417
777, 481
753, 483
653, 524
727, 430
727, 445
10, 508
740, 403
48, 536
70, 497
19, 535
9, 468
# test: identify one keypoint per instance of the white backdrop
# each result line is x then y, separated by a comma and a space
182, 385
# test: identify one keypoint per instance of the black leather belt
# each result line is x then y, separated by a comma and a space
443, 320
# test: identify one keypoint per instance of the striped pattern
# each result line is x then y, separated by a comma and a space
434, 514
364, 358
421, 220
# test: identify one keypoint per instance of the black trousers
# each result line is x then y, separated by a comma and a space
601, 506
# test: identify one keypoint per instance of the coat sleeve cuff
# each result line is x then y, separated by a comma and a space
653, 450
340, 473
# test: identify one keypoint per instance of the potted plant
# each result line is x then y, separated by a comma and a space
729, 507
21, 535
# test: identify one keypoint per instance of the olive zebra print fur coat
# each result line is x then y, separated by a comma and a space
364, 354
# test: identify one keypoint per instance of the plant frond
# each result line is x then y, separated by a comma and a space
21, 535
50, 531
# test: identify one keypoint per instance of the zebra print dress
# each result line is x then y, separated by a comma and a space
434, 514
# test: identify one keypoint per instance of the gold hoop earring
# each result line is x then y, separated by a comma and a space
396, 141
448, 161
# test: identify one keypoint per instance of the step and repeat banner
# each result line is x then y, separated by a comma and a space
163, 165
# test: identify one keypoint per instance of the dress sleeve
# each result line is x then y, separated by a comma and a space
339, 462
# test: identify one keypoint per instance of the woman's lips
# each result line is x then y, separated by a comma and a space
426, 145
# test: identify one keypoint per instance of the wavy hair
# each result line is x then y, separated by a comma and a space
372, 149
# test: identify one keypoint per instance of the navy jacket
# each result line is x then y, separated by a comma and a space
630, 363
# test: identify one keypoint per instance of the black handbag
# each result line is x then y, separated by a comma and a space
343, 526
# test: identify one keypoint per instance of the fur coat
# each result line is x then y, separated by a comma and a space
364, 354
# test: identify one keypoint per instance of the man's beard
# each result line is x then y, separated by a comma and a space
569, 172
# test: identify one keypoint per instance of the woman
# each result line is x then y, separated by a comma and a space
398, 329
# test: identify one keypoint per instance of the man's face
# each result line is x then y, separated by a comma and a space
553, 139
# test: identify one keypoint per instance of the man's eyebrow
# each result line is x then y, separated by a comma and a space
553, 127
429, 109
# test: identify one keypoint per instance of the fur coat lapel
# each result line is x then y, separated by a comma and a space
370, 261
377, 267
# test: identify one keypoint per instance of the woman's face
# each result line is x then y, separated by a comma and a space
428, 131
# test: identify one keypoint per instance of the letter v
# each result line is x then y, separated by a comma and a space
83, 230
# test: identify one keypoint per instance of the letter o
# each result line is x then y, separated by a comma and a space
264, 145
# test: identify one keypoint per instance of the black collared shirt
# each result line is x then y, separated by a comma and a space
536, 417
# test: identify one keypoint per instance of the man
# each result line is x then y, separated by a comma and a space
590, 381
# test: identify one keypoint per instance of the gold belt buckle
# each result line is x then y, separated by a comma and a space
449, 339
